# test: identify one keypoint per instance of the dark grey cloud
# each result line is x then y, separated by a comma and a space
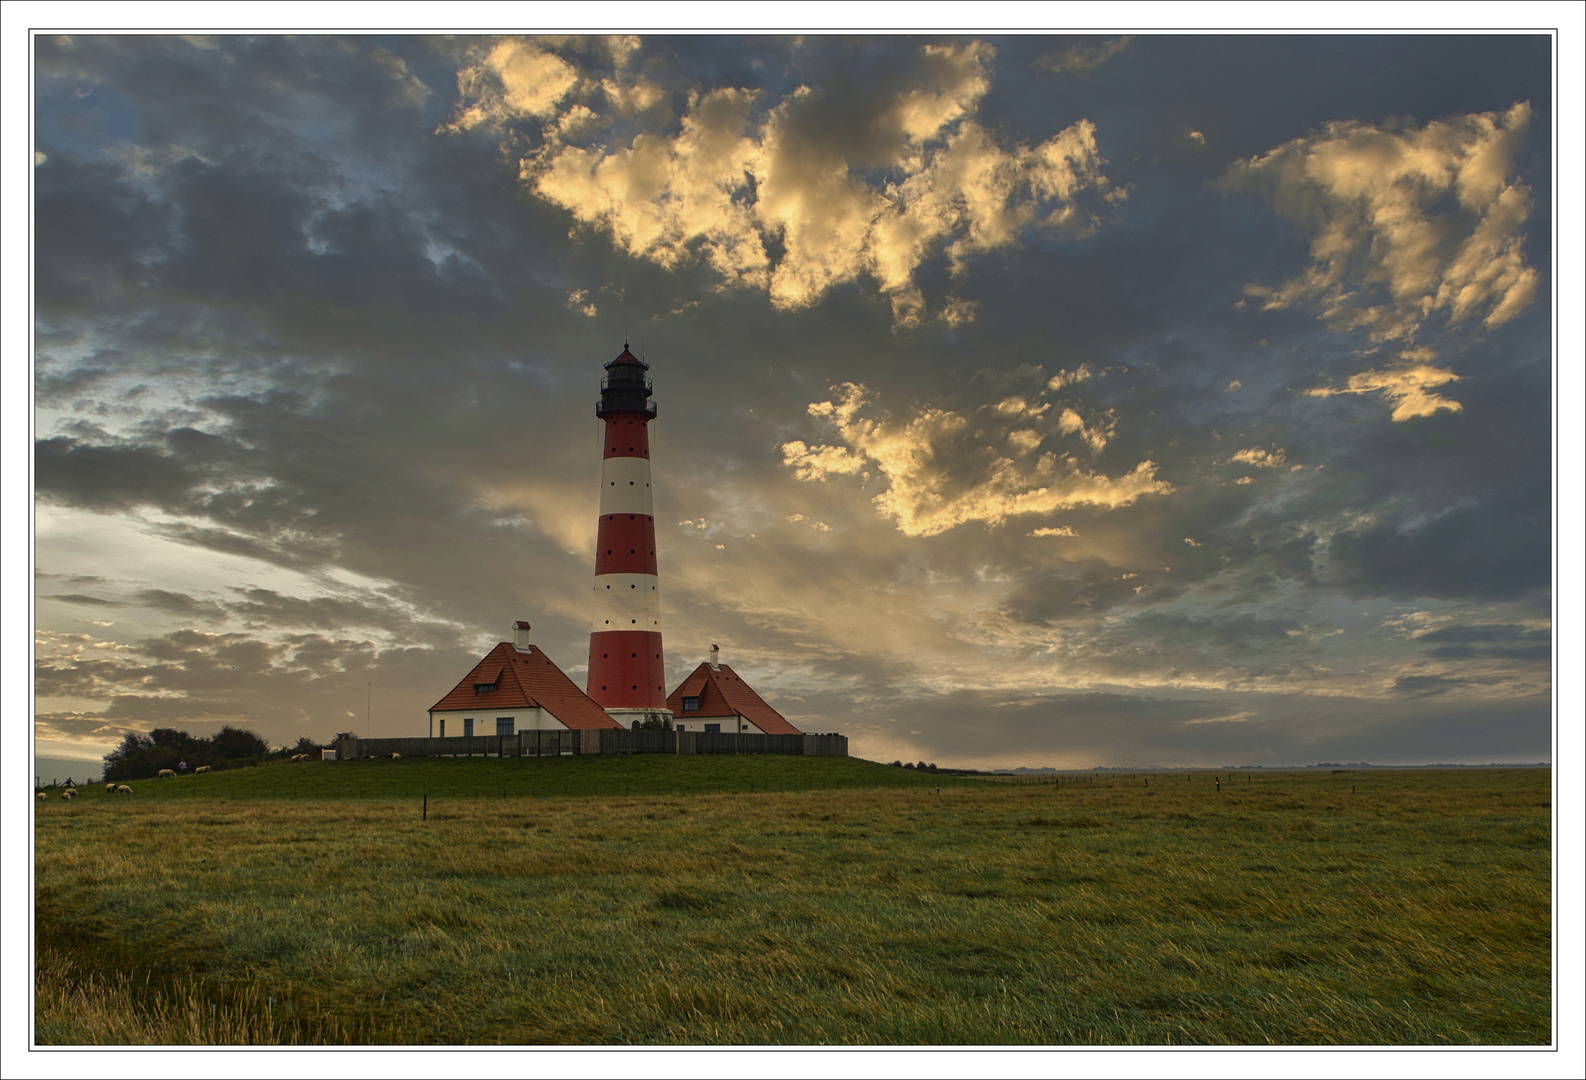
1497, 641
106, 477
103, 239
1427, 685
180, 604
303, 683
82, 598
1501, 548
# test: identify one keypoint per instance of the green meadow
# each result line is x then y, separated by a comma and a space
791, 901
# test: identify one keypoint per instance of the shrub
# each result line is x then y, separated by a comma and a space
141, 756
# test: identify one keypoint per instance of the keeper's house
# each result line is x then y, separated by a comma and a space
714, 698
516, 688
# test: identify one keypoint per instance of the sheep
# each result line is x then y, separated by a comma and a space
110, 788
123, 790
167, 774
69, 793
201, 769
42, 796
395, 756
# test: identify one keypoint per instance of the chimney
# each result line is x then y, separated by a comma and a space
715, 658
520, 636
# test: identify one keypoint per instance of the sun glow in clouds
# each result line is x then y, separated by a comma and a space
1406, 222
737, 171
941, 472
1408, 386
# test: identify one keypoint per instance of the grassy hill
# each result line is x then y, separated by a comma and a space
411, 779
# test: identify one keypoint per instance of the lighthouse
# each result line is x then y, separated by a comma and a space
627, 677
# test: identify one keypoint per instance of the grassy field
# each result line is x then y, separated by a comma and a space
622, 901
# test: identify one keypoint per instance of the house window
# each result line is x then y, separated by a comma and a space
443, 727
484, 687
712, 727
691, 704
468, 725
503, 725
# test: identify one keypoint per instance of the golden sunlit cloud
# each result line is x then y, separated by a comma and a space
1407, 386
1081, 60
1228, 718
718, 185
1405, 222
515, 78
1260, 459
942, 473
1095, 435
1068, 378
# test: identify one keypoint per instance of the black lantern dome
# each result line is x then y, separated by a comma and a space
626, 387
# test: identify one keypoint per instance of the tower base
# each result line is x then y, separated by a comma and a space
628, 717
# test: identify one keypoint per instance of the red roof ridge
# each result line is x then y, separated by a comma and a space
526, 685
723, 692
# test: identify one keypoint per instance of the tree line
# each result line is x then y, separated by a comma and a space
141, 756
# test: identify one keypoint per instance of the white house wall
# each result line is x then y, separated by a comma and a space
485, 721
729, 724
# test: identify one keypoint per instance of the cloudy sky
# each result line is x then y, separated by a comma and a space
1032, 400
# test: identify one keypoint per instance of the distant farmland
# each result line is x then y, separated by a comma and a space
775, 900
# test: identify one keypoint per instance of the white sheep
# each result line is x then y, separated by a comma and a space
42, 796
110, 788
69, 793
201, 769
167, 774
395, 756
123, 790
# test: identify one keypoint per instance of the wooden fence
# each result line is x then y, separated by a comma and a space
609, 741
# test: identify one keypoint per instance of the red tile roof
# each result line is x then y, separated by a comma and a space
525, 680
723, 693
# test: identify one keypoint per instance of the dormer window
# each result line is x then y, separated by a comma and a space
484, 688
691, 704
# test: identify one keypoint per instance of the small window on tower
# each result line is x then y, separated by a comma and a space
691, 704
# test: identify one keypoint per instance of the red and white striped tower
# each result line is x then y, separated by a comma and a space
626, 674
